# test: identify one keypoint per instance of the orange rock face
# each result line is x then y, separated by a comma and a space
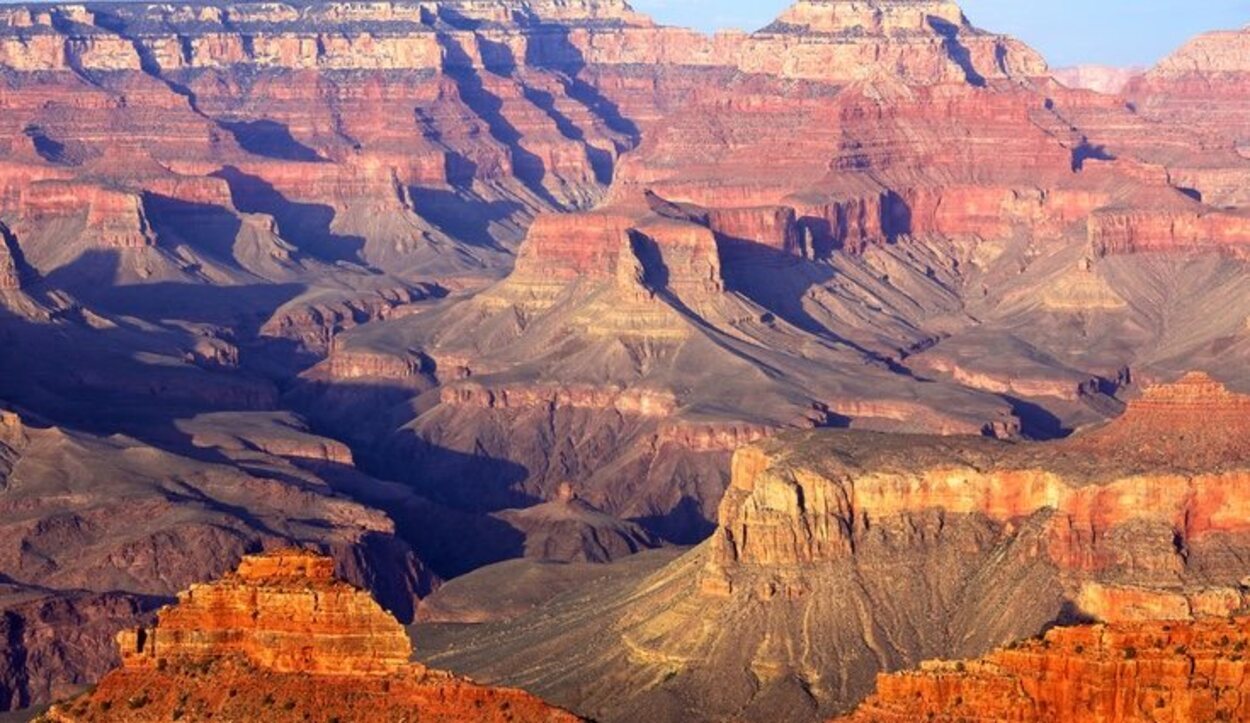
1177, 458
1157, 671
280, 639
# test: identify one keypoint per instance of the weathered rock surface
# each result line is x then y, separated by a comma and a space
283, 639
843, 553
1156, 671
870, 214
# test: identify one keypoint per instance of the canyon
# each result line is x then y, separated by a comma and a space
843, 554
868, 298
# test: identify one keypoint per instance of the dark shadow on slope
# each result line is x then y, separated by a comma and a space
26, 273
205, 227
896, 216
551, 48
526, 166
820, 240
1037, 422
601, 163
307, 226
1087, 151
461, 215
270, 139
48, 148
1070, 614
15, 693
956, 50
1193, 193
685, 524
147, 59
242, 308
465, 480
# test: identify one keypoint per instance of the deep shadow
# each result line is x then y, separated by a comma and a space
242, 308
307, 226
820, 239
26, 273
956, 50
1036, 422
461, 215
48, 148
14, 694
270, 139
206, 227
1069, 615
895, 216
1086, 151
685, 524
147, 59
654, 270
550, 48
440, 474
1193, 193
601, 163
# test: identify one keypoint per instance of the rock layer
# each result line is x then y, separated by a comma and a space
843, 553
1153, 671
283, 639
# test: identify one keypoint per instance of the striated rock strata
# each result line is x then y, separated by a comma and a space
842, 554
283, 639
1154, 671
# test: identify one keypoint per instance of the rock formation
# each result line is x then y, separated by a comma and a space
97, 530
839, 554
282, 639
444, 257
1155, 671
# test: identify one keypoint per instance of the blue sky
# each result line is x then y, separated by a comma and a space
1113, 32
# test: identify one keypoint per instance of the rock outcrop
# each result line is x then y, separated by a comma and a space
282, 639
842, 553
1157, 671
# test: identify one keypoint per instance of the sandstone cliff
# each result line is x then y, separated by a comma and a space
1154, 671
282, 639
838, 554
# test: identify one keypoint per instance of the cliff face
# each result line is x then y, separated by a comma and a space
281, 638
1154, 671
842, 553
870, 214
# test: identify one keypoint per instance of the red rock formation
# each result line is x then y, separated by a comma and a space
1176, 457
1194, 423
281, 638
1157, 671
843, 553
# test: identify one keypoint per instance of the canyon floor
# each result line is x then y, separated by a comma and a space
541, 319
